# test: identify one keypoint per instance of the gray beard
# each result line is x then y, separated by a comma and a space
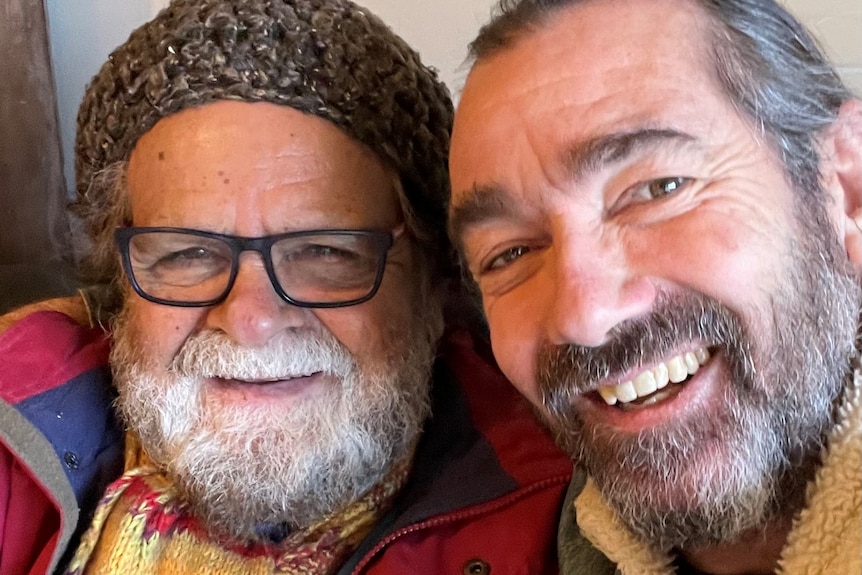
708, 480
244, 469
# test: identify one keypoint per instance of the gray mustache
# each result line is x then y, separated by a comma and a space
564, 371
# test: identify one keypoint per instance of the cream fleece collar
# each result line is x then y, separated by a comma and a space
826, 538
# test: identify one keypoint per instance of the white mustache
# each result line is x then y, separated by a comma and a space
214, 354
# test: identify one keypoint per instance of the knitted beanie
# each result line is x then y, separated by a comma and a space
329, 58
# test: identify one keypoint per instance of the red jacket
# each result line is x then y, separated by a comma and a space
60, 445
483, 496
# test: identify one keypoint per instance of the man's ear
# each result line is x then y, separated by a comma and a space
841, 173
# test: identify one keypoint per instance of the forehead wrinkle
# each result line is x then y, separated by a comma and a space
587, 158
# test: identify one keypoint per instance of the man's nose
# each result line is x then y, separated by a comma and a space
253, 312
593, 288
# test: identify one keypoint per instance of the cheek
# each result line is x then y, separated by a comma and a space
725, 258
355, 327
159, 330
371, 331
515, 339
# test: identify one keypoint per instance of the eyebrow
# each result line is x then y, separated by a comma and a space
481, 203
588, 158
493, 201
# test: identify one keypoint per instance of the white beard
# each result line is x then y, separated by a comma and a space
242, 468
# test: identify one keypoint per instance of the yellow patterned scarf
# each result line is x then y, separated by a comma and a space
142, 526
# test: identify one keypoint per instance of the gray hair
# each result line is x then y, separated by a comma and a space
769, 66
328, 58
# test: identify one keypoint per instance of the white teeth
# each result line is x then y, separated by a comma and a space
691, 363
661, 376
675, 370
626, 392
645, 383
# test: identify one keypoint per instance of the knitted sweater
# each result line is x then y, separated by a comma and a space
826, 538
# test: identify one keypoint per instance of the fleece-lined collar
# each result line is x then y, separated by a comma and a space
826, 537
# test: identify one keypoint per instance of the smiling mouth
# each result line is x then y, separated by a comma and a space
262, 380
656, 384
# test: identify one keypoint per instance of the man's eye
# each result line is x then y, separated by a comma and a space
502, 260
322, 253
662, 187
646, 191
186, 256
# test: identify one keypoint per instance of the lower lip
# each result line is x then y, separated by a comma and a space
244, 391
692, 399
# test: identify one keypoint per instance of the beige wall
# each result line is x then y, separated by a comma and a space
84, 31
440, 30
838, 25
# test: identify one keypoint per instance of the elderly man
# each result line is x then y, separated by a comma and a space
660, 203
263, 185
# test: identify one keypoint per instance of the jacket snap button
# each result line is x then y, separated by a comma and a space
476, 567
71, 459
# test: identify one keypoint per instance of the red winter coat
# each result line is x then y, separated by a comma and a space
483, 496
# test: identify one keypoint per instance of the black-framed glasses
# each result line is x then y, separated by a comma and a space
315, 268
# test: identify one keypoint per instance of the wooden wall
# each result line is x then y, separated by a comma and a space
35, 252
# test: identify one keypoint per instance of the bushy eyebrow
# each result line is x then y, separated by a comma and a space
481, 203
588, 158
486, 202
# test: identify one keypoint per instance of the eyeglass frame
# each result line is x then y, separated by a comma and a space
383, 241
